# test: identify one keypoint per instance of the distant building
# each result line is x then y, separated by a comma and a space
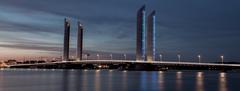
140, 43
66, 40
11, 62
3, 65
151, 37
79, 42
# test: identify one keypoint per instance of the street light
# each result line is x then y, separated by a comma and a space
125, 56
111, 56
98, 56
179, 58
222, 57
160, 56
199, 58
86, 56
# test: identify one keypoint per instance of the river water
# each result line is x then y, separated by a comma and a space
113, 80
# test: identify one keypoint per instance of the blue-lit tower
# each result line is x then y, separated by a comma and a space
141, 30
151, 39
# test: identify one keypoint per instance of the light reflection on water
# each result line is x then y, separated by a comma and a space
179, 81
222, 81
124, 80
143, 80
110, 76
84, 81
97, 81
199, 81
113, 80
161, 80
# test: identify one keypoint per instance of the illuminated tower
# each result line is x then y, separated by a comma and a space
140, 50
79, 42
66, 40
151, 37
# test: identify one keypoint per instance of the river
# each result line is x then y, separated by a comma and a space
114, 80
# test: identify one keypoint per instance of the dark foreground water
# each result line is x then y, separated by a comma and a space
113, 80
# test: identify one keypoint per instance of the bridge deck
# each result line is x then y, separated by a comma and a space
130, 61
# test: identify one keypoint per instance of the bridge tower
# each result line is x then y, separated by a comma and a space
151, 37
79, 41
66, 40
140, 43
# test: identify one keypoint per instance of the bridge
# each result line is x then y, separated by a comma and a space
130, 65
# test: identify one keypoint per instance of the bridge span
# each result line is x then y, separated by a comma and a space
130, 65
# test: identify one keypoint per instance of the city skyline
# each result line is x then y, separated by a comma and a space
33, 31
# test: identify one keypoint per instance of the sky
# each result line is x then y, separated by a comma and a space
33, 28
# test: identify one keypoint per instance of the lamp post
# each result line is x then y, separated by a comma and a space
179, 58
160, 56
86, 56
72, 57
125, 56
199, 58
98, 56
111, 56
222, 58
